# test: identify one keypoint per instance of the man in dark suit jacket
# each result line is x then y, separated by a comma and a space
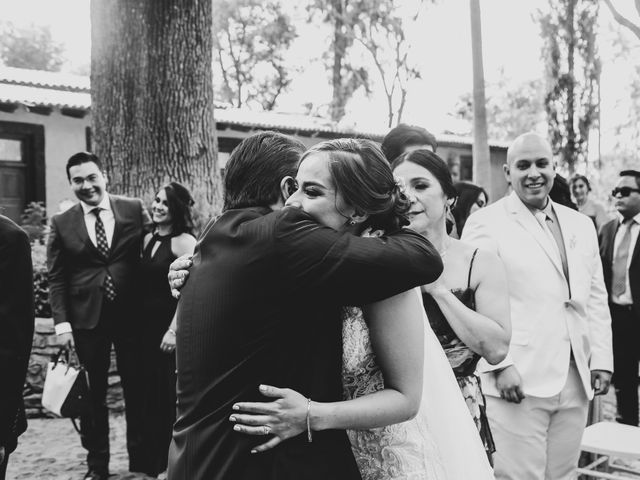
620, 253
16, 325
93, 255
262, 305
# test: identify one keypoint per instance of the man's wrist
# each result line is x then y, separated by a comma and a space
63, 327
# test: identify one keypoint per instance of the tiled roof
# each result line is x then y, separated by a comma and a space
50, 89
43, 97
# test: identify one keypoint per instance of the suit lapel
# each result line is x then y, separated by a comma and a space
570, 239
117, 227
528, 221
81, 228
611, 238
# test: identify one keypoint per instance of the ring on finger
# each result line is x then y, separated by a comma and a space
266, 430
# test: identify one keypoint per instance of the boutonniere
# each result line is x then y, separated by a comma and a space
572, 242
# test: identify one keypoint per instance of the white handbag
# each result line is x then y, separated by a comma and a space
66, 387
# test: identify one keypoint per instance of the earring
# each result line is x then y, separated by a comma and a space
352, 222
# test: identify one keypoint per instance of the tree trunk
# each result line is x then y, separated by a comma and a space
570, 149
339, 49
152, 97
481, 153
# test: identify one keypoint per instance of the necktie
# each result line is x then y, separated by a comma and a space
554, 229
103, 248
619, 276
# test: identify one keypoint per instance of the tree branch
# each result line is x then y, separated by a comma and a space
625, 22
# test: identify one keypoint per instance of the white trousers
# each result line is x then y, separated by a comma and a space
539, 438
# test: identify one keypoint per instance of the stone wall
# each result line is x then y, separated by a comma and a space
44, 346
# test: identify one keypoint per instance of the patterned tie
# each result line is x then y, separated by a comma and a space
619, 280
103, 248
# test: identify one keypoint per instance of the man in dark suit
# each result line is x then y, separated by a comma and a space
92, 256
620, 253
262, 305
16, 325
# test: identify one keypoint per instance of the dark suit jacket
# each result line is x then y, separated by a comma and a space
606, 237
77, 270
16, 327
262, 305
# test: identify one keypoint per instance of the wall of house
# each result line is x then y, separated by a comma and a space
64, 136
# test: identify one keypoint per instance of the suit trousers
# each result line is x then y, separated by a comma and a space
539, 438
625, 324
94, 350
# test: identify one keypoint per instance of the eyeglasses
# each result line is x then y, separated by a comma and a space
623, 191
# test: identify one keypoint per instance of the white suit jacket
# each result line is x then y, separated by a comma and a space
549, 316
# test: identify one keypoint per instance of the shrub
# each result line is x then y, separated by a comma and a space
34, 222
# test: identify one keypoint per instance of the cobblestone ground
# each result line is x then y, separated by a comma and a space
50, 449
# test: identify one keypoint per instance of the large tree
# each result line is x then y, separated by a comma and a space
251, 39
573, 74
512, 108
152, 96
30, 47
378, 28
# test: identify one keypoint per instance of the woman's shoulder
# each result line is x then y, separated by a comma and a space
183, 244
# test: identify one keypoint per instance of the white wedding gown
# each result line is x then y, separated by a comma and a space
440, 443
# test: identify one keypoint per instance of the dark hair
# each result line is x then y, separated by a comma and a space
363, 177
468, 194
82, 157
561, 193
257, 166
631, 173
577, 177
432, 162
179, 201
404, 136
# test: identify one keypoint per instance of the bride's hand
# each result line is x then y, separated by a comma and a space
283, 418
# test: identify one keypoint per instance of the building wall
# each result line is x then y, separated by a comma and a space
64, 136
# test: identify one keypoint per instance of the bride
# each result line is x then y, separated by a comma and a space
393, 434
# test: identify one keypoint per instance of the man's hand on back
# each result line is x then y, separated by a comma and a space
178, 273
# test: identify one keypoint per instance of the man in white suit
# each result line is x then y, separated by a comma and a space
560, 351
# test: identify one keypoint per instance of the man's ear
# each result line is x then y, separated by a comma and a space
507, 175
106, 179
287, 187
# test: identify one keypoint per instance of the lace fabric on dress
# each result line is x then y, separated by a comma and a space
403, 451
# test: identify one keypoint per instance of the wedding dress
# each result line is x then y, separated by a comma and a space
440, 443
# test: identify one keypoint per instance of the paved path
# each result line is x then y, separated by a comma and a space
50, 449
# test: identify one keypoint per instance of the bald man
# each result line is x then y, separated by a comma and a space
560, 352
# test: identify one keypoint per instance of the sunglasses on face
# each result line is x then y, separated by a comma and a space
623, 191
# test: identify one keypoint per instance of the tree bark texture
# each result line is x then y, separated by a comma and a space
481, 154
152, 97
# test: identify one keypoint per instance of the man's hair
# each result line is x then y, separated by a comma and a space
257, 166
404, 136
80, 158
631, 173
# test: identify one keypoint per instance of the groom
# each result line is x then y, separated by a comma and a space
262, 305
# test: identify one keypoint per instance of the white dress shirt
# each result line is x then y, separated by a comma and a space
109, 222
634, 225
106, 215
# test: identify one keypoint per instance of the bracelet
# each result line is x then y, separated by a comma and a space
309, 435
171, 331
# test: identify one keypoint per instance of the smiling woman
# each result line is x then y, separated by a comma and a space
172, 237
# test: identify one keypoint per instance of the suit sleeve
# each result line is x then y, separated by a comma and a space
16, 317
478, 233
56, 267
146, 219
599, 316
351, 269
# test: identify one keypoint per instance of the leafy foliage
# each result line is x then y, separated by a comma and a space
250, 40
573, 73
378, 27
511, 109
32, 48
34, 222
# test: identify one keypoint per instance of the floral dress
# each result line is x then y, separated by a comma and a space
463, 361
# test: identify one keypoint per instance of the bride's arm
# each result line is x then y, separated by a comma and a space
396, 328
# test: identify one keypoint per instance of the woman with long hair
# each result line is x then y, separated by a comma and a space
470, 197
171, 237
